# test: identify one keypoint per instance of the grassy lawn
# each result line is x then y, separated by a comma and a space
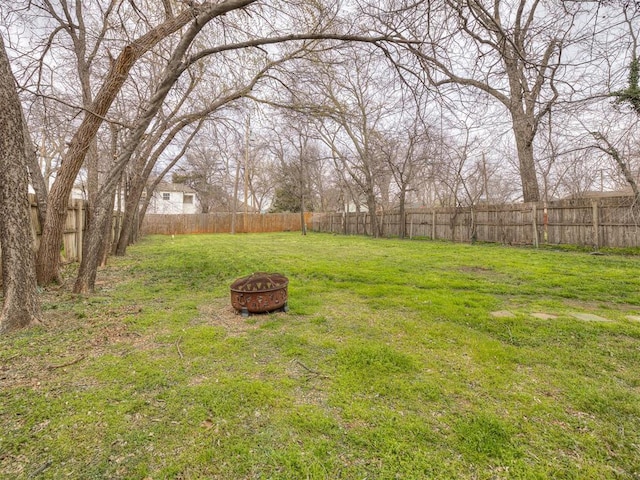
389, 365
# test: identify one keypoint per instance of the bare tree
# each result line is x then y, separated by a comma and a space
204, 170
101, 212
630, 97
211, 162
49, 255
152, 147
408, 150
509, 51
353, 109
178, 63
141, 34
298, 155
604, 144
257, 173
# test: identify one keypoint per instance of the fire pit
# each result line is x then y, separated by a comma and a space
260, 292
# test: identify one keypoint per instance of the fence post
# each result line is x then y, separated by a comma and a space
596, 221
545, 223
79, 214
433, 225
388, 232
534, 213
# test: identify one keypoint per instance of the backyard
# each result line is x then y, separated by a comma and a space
397, 360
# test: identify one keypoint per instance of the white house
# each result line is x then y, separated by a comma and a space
173, 199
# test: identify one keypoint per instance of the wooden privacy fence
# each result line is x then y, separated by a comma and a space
221, 223
73, 228
71, 248
603, 222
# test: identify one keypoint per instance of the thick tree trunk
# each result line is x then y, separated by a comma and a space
135, 231
524, 134
21, 305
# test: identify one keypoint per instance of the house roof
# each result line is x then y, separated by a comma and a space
174, 187
624, 192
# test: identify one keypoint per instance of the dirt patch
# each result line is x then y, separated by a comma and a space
589, 317
502, 314
594, 305
220, 313
486, 273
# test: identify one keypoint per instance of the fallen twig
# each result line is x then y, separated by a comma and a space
12, 358
72, 362
177, 344
314, 372
41, 469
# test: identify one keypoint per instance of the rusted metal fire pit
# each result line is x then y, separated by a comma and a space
260, 292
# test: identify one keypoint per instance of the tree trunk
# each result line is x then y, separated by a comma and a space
524, 134
371, 205
135, 231
117, 222
130, 224
142, 212
133, 220
110, 229
93, 244
234, 212
91, 163
21, 305
128, 219
302, 224
145, 204
402, 230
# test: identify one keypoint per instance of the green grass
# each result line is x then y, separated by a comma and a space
388, 365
